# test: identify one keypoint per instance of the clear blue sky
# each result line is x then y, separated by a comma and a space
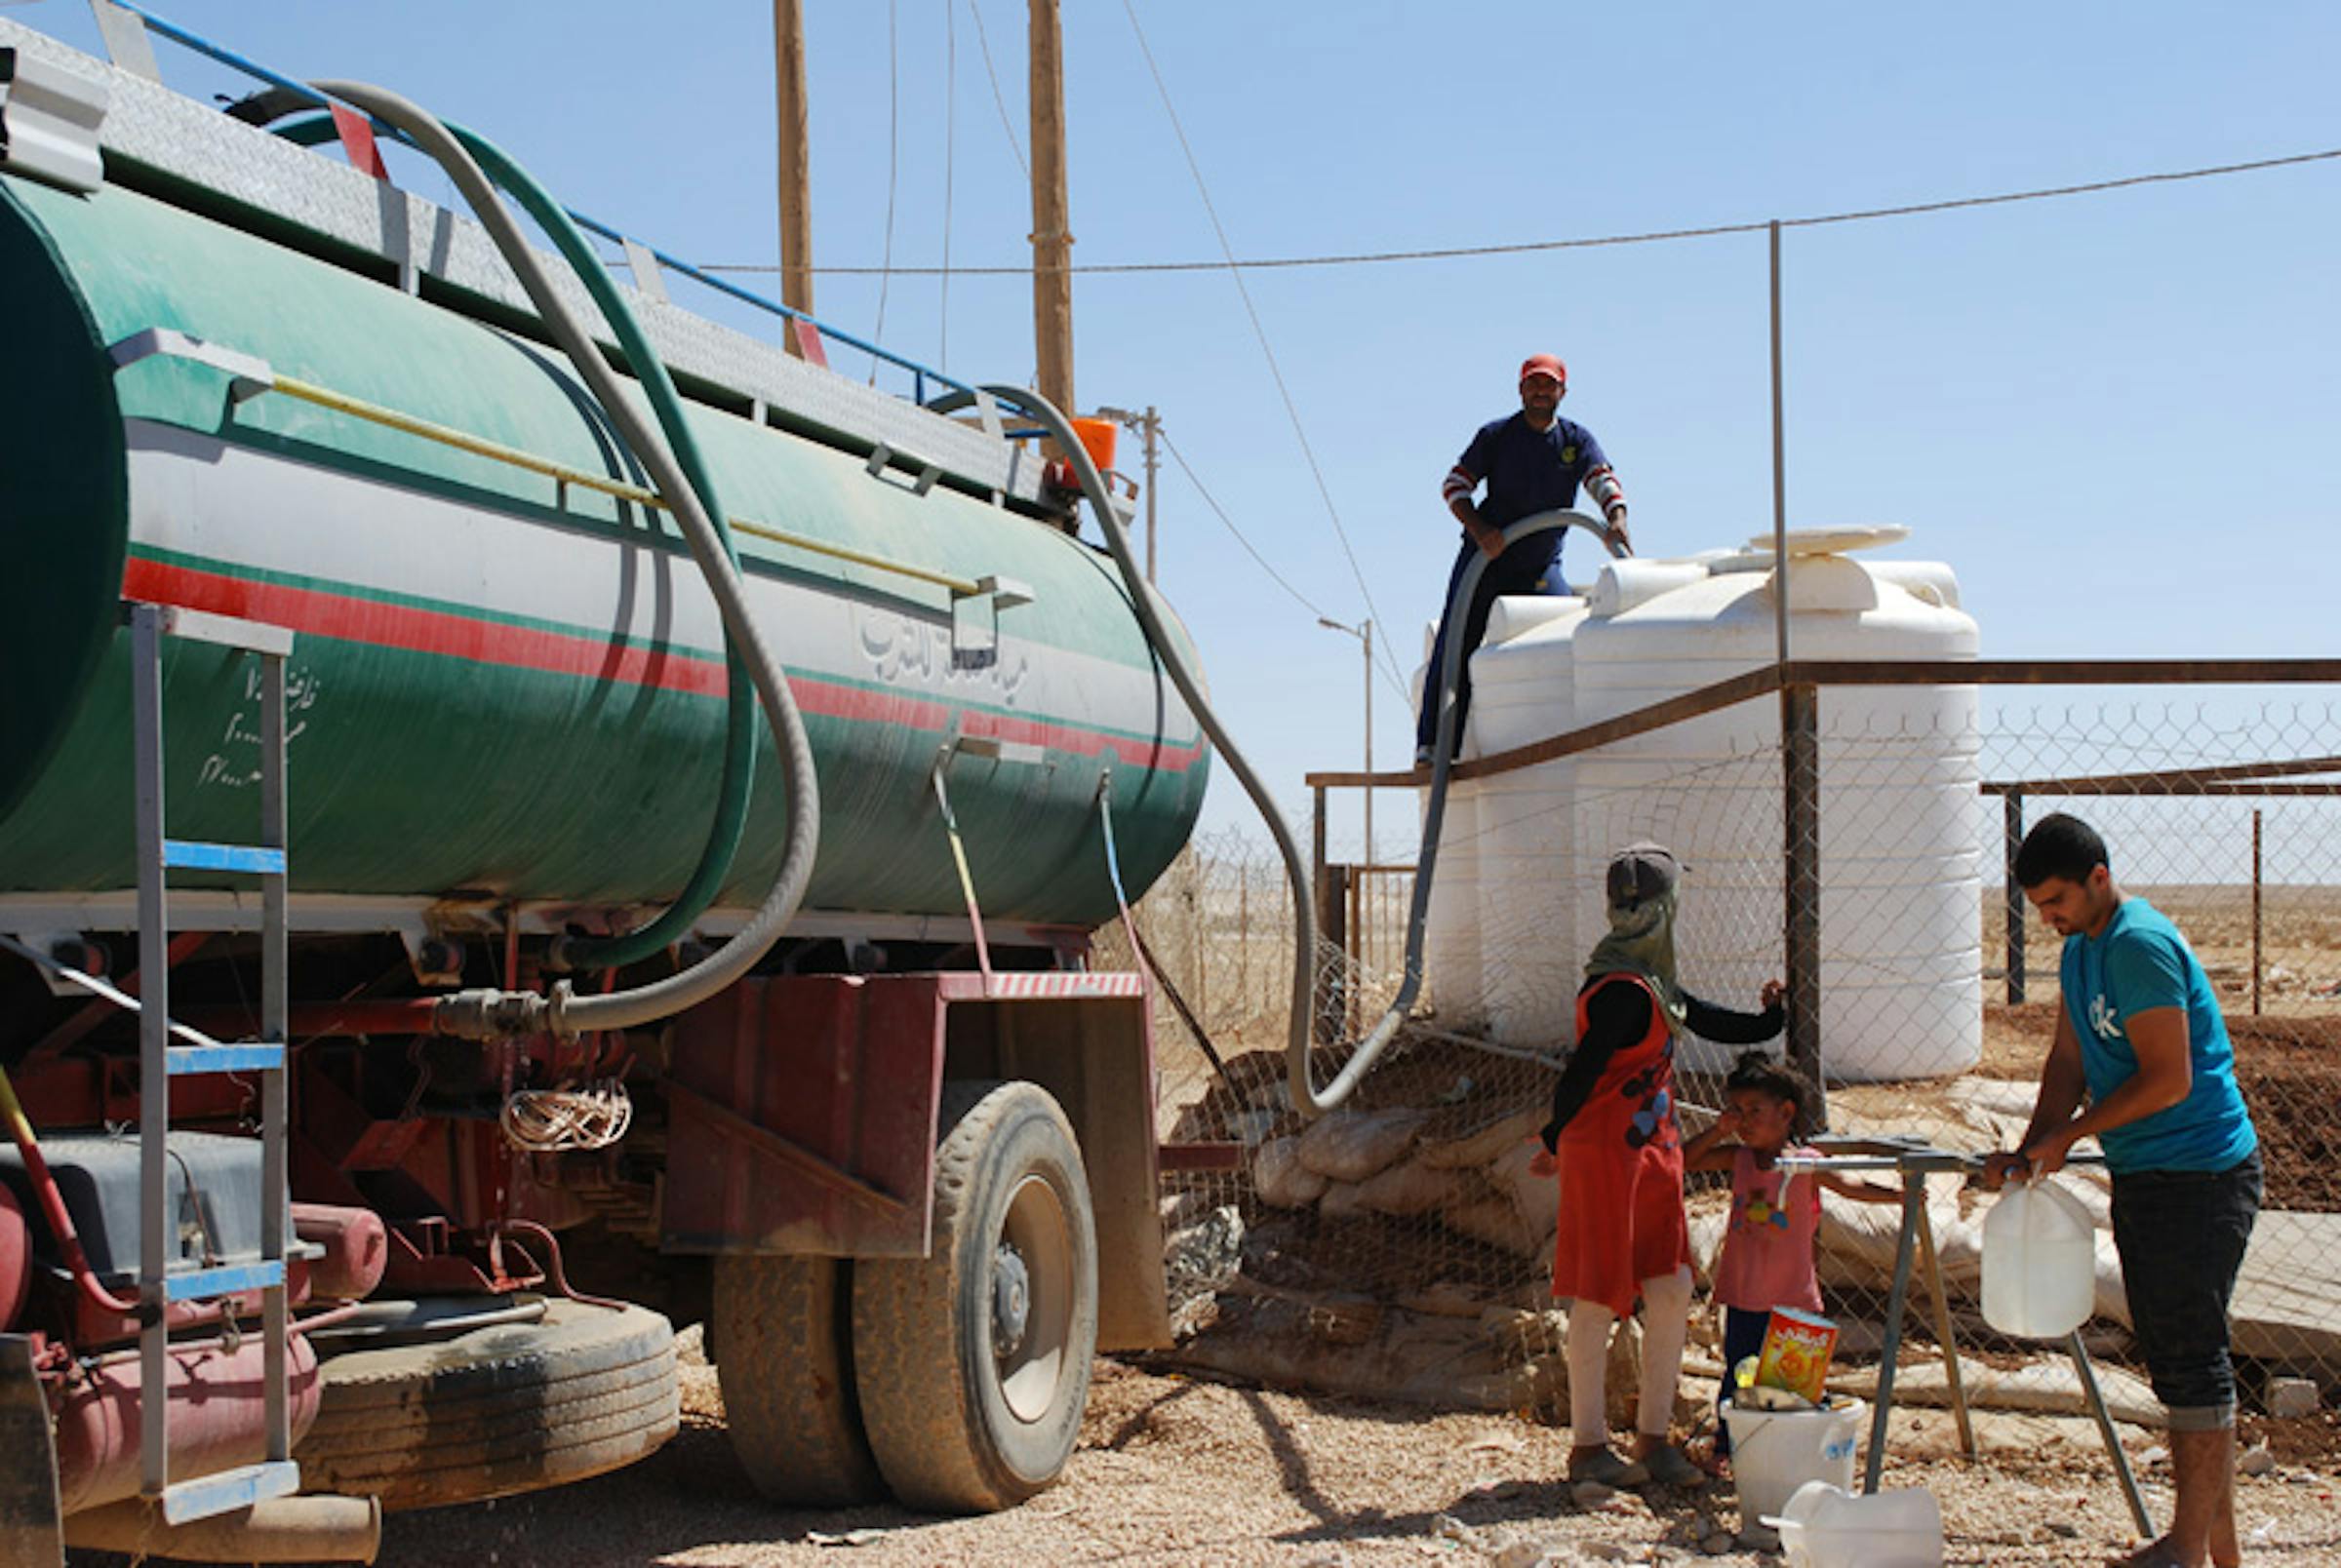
2113, 414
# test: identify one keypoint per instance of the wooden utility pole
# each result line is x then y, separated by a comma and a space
1052, 216
796, 158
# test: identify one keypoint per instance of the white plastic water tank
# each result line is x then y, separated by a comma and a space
1901, 966
1528, 946
1451, 924
1535, 928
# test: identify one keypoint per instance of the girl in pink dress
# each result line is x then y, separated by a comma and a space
1767, 1248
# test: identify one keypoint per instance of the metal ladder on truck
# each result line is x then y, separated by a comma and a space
160, 1060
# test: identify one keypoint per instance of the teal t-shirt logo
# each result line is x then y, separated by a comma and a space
2141, 963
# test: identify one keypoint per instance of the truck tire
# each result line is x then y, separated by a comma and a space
496, 1411
788, 1380
972, 1364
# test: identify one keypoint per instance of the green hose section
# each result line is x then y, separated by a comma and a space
493, 1014
739, 732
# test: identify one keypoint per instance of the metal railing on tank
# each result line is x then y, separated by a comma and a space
927, 382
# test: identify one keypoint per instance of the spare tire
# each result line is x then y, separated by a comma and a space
496, 1411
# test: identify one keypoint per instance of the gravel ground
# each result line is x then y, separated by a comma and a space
1173, 1470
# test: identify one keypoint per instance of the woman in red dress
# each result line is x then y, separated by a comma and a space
1619, 1150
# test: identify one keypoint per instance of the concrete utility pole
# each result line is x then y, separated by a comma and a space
1153, 428
796, 158
1149, 426
1052, 216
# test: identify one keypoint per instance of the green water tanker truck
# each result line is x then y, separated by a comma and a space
510, 840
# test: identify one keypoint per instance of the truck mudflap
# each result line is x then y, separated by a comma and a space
805, 1115
31, 1523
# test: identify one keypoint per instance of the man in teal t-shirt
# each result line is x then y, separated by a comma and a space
2140, 1037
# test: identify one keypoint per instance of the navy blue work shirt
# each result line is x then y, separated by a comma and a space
1527, 470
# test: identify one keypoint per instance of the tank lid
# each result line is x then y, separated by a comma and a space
1833, 541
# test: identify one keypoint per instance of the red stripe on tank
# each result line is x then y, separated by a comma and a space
347, 617
352, 620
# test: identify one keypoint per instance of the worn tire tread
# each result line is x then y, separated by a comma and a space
408, 1468
923, 1424
442, 1413
787, 1378
488, 1426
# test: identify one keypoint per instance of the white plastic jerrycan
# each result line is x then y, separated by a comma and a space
2040, 1261
1824, 1527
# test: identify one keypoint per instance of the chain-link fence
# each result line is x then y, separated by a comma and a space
1402, 1246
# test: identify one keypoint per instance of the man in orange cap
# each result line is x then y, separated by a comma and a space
1531, 461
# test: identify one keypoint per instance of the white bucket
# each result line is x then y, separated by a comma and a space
1774, 1452
1823, 1527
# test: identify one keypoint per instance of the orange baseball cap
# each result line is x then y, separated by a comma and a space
1544, 365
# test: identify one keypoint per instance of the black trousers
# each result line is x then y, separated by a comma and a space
2181, 1235
1522, 569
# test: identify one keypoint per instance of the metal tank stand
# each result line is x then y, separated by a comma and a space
1915, 1161
161, 1286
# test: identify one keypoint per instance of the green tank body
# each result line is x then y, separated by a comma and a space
503, 685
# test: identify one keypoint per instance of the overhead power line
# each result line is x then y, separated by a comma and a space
1253, 550
1260, 332
985, 43
1229, 522
1647, 237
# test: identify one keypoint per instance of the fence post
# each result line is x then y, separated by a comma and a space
1200, 927
1242, 941
1800, 779
1354, 944
1333, 918
2012, 817
1317, 844
1329, 903
2255, 912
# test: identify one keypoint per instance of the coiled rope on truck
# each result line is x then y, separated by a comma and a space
551, 1122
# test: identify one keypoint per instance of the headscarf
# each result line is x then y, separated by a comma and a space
1641, 884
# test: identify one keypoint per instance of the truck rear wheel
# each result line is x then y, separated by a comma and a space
972, 1364
781, 1324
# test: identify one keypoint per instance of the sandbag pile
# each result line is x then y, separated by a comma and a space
1354, 1164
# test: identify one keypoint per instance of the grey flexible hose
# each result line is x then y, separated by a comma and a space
1306, 1097
482, 1014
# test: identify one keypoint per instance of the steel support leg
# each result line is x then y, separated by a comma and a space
1914, 1203
154, 1039
2113, 1441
